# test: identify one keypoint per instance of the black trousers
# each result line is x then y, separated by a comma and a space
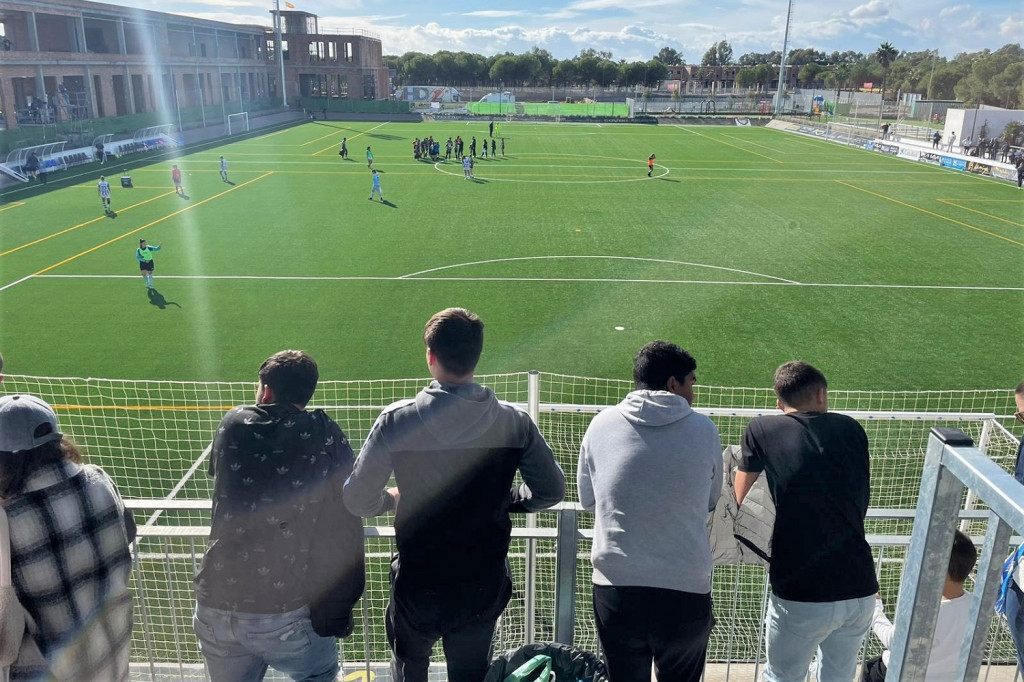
873, 670
639, 626
463, 616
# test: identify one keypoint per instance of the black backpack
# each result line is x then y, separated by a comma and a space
568, 664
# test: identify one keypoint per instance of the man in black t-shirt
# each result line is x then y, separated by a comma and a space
284, 565
822, 572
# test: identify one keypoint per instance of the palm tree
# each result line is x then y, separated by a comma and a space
885, 54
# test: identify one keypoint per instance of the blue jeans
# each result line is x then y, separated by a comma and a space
239, 647
1015, 621
796, 631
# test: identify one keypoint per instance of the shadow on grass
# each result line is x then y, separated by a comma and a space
667, 179
157, 299
110, 214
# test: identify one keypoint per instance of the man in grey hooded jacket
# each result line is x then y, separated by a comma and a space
454, 450
651, 470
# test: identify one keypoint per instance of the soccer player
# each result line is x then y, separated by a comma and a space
376, 187
650, 165
176, 177
223, 169
494, 149
104, 189
503, 146
144, 254
369, 158
465, 167
344, 148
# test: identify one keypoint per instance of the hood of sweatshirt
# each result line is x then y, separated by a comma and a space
654, 408
455, 413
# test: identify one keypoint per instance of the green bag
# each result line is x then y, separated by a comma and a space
525, 672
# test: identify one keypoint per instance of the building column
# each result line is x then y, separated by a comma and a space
91, 92
83, 46
130, 88
7, 101
122, 44
33, 33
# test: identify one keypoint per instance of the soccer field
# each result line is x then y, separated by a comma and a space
748, 247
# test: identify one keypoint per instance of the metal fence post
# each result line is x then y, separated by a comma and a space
927, 558
530, 579
565, 576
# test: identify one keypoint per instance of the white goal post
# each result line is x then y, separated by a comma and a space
238, 123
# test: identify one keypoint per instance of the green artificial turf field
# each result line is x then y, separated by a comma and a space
749, 247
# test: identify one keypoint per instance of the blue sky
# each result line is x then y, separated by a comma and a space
637, 29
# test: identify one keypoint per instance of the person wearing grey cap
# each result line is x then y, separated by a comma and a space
69, 548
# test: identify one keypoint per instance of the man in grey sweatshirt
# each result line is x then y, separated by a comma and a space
454, 450
651, 470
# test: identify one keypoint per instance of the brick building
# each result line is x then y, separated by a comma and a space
696, 79
67, 60
330, 63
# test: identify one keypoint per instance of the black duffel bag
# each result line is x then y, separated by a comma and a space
568, 664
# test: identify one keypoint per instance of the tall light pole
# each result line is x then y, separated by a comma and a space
782, 65
928, 94
278, 46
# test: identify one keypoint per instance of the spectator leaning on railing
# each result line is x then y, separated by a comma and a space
69, 549
285, 562
454, 450
1011, 597
822, 573
651, 470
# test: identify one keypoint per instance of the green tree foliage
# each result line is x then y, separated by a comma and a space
993, 77
669, 56
719, 54
1014, 133
885, 54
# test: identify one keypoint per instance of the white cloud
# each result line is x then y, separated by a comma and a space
949, 11
1012, 28
871, 13
495, 13
582, 5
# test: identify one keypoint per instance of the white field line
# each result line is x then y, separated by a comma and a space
628, 258
181, 484
610, 280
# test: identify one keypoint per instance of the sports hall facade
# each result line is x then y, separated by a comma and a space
67, 60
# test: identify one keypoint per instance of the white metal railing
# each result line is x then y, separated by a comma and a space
165, 647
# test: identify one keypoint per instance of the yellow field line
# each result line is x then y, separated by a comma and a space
931, 213
90, 222
734, 146
755, 144
359, 134
150, 224
146, 408
14, 205
987, 215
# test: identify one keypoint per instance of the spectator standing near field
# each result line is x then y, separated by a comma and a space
822, 572
952, 141
454, 450
69, 540
936, 139
950, 627
1011, 600
651, 471
284, 565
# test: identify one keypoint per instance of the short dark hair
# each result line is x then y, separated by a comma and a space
1020, 389
962, 558
796, 382
456, 337
292, 375
659, 360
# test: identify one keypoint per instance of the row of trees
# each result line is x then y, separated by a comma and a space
986, 77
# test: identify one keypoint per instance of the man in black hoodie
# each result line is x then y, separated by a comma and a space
454, 450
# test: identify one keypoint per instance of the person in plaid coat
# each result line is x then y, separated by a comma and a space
69, 543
